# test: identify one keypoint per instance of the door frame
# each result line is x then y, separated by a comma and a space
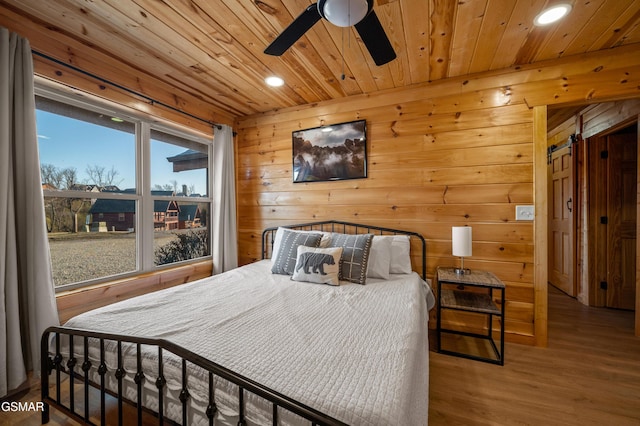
581, 235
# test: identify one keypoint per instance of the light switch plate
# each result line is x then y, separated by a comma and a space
525, 212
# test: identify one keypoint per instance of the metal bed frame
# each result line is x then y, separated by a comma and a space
269, 234
77, 370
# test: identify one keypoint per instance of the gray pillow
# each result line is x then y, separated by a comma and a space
285, 260
355, 255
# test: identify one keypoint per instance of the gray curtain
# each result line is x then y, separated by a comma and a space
224, 230
27, 297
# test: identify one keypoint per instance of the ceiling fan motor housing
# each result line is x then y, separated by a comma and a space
344, 13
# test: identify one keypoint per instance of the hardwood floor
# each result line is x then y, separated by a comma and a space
589, 375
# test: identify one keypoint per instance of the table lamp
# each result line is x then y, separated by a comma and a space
461, 246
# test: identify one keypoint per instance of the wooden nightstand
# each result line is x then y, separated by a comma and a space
453, 293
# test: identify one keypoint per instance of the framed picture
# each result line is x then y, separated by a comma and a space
333, 152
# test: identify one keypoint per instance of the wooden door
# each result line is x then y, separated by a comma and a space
561, 198
621, 216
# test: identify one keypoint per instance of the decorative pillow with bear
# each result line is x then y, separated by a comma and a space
318, 265
285, 260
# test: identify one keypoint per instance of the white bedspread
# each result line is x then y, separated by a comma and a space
357, 353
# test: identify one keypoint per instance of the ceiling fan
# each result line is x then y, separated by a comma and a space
343, 13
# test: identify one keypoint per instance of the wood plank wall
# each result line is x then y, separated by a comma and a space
442, 154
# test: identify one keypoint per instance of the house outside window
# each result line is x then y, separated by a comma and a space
101, 208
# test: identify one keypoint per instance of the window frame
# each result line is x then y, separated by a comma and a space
144, 125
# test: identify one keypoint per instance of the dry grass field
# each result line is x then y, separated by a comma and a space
85, 256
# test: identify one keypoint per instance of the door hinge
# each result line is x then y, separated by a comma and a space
603, 285
604, 154
604, 220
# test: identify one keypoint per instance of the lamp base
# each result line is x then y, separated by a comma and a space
462, 271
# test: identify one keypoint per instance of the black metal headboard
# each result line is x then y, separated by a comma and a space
268, 235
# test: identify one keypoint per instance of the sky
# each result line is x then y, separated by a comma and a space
332, 135
67, 142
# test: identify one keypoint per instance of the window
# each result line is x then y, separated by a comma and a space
105, 218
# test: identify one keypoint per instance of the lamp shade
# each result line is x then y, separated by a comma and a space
461, 241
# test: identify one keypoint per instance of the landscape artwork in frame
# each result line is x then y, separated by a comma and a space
332, 152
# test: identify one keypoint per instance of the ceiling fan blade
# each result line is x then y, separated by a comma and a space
294, 31
375, 39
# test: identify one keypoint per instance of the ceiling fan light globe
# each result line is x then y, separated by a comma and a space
343, 13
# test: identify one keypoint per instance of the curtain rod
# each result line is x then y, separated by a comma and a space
126, 89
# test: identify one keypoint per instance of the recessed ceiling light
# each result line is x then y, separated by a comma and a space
552, 14
274, 81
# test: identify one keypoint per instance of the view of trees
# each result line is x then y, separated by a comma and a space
100, 176
98, 214
187, 246
62, 213
68, 214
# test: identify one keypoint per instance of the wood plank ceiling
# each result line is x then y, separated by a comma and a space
213, 49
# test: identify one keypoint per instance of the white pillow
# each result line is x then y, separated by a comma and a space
318, 265
324, 242
380, 258
400, 253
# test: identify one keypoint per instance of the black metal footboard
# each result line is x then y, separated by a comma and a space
70, 342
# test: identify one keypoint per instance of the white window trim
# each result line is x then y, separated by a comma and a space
145, 201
